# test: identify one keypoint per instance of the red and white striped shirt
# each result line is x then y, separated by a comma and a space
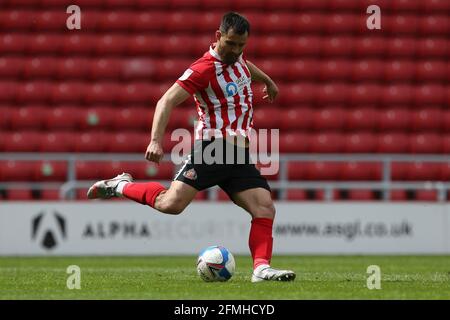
223, 96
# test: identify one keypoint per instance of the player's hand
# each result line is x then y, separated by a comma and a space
154, 152
270, 91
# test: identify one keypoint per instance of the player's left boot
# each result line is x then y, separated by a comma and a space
266, 273
105, 189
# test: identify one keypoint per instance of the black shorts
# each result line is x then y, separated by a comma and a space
221, 163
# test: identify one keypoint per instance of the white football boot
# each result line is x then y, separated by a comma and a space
105, 189
266, 273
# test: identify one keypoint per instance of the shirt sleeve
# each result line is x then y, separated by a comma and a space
193, 80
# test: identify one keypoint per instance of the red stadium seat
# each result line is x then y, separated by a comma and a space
327, 143
311, 5
394, 119
294, 142
127, 142
335, 69
329, 118
342, 23
13, 20
78, 44
393, 143
57, 142
95, 118
21, 141
49, 194
431, 47
343, 5
328, 171
398, 195
418, 171
446, 144
277, 22
277, 68
70, 92
427, 119
397, 94
401, 47
16, 170
302, 69
39, 67
139, 92
338, 46
106, 68
120, 21
426, 195
62, 117
446, 120
365, 94
133, 118
210, 21
44, 43
50, 21
149, 21
8, 91
298, 118
360, 143
90, 170
360, 171
273, 46
296, 194
362, 118
19, 195
405, 5
429, 94
90, 142
305, 45
399, 70
367, 70
191, 4
177, 45
445, 172
436, 6
267, 118
425, 143
201, 196
430, 70
111, 44
36, 91
297, 170
401, 24
370, 45
308, 22
147, 4
5, 119
171, 69
434, 25
102, 92
11, 67
144, 45
50, 171
399, 171
30, 117
14, 43
182, 21
138, 68
360, 195
297, 93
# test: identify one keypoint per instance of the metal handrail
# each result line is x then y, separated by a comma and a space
282, 184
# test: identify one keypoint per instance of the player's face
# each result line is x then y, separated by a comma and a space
230, 45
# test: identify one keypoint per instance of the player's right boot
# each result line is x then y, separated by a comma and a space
266, 273
105, 189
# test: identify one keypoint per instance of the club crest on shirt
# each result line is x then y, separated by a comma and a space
190, 174
231, 89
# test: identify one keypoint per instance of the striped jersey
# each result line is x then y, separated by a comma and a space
223, 96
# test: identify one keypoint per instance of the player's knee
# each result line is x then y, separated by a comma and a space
265, 209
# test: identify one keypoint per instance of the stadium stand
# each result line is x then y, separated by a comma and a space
343, 89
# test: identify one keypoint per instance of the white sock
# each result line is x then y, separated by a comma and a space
119, 188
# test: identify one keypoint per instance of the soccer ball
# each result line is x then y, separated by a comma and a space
215, 263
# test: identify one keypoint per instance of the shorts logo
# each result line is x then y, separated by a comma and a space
190, 174
231, 89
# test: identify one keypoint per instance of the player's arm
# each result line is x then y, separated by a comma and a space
173, 97
271, 89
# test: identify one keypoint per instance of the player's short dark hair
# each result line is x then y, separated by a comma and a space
235, 21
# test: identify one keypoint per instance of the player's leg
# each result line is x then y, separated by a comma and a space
171, 201
258, 202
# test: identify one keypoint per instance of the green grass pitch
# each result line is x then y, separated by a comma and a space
174, 277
